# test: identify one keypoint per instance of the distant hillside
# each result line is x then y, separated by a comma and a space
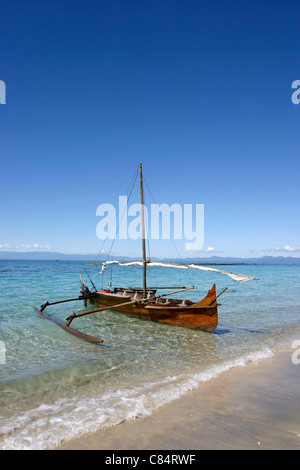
229, 260
45, 256
52, 256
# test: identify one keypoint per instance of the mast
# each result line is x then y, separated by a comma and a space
143, 232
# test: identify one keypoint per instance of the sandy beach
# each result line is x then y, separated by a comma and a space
247, 408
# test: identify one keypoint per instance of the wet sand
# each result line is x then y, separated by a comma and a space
246, 408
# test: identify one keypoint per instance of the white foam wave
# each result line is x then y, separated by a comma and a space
48, 425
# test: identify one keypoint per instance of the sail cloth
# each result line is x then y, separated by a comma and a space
236, 277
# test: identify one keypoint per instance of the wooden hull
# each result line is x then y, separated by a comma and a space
202, 315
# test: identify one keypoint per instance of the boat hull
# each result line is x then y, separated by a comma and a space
202, 315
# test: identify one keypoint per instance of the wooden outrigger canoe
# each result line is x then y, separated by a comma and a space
202, 315
143, 302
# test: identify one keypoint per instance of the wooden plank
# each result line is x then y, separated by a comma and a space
155, 287
177, 307
177, 291
78, 334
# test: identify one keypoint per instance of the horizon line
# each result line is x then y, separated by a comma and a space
103, 255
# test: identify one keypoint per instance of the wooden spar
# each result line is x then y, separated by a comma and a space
218, 296
81, 297
143, 231
74, 315
159, 287
176, 291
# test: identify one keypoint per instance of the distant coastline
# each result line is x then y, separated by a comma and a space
213, 260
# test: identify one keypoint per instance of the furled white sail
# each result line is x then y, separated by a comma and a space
236, 277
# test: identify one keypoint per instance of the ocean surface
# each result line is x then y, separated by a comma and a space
55, 387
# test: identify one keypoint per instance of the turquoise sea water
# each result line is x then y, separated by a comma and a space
54, 387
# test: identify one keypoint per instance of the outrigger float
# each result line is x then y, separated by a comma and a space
143, 303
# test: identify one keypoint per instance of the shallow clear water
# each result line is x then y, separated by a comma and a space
55, 387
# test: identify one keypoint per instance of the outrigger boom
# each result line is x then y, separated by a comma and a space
81, 297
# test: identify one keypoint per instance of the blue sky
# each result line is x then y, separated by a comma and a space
198, 91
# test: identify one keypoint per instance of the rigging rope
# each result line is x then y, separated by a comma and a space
174, 244
129, 191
